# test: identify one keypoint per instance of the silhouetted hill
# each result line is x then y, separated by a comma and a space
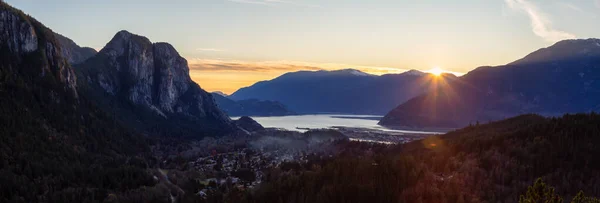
563, 78
249, 124
342, 91
251, 107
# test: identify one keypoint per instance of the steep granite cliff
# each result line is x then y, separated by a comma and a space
55, 145
148, 86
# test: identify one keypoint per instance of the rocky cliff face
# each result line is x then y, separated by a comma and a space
47, 128
16, 33
28, 47
152, 78
73, 52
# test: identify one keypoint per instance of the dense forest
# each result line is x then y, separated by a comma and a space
493, 162
55, 145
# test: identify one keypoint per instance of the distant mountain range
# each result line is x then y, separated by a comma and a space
346, 91
563, 78
250, 107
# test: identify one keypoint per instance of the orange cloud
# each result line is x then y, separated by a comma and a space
229, 75
221, 65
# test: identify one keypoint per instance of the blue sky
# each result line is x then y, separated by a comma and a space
260, 39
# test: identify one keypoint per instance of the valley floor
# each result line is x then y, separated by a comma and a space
485, 163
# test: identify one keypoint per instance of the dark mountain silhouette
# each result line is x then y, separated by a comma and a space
249, 124
342, 91
73, 52
563, 78
147, 86
251, 107
220, 93
55, 145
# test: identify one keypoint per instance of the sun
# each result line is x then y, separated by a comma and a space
437, 71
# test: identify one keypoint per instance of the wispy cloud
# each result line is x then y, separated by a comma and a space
209, 50
233, 65
280, 66
275, 2
540, 23
229, 75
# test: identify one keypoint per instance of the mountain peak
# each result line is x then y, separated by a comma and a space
154, 78
414, 72
350, 71
124, 39
563, 50
220, 93
123, 33
580, 41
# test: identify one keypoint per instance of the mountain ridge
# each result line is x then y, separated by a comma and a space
251, 107
566, 81
342, 91
73, 52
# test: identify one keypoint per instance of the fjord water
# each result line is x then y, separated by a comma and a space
319, 121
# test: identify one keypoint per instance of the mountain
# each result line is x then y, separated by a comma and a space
73, 52
55, 145
563, 78
249, 124
148, 86
251, 107
220, 93
564, 50
341, 91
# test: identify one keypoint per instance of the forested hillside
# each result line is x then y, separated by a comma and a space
493, 162
55, 146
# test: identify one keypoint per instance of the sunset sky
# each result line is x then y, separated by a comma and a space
234, 43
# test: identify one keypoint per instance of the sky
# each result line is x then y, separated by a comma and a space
234, 43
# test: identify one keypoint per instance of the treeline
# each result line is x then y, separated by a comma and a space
543, 193
494, 162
